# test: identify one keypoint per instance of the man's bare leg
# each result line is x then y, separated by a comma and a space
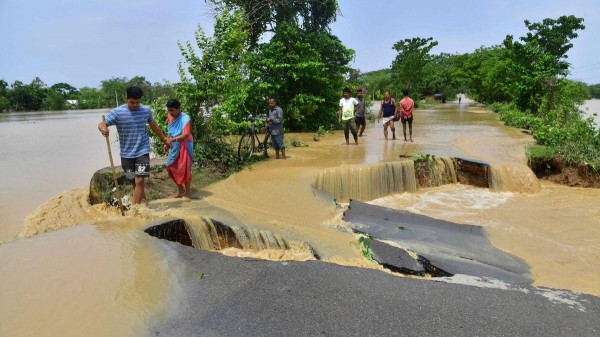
385, 132
276, 153
138, 190
410, 130
283, 154
393, 130
404, 130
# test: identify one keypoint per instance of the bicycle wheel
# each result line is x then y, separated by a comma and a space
246, 147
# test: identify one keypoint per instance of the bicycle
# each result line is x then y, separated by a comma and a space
250, 141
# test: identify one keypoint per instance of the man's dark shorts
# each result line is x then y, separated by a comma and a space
278, 143
360, 121
136, 167
404, 120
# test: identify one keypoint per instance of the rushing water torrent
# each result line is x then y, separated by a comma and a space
370, 182
77, 268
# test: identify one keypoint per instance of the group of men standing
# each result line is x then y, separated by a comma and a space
351, 114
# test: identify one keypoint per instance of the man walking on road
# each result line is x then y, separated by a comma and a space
360, 119
131, 120
407, 106
388, 111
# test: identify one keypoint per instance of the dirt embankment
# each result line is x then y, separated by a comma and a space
158, 186
557, 171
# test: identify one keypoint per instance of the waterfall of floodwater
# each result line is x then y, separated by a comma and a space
208, 234
437, 172
370, 182
513, 178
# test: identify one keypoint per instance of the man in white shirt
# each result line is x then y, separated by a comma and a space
348, 106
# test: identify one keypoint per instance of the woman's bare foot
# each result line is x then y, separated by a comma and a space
176, 195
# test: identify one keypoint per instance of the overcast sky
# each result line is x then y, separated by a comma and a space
82, 42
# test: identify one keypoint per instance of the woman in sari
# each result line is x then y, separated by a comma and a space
179, 160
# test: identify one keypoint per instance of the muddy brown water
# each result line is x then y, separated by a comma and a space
74, 268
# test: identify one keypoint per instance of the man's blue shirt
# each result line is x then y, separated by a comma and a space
133, 133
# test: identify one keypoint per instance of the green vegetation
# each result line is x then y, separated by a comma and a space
570, 136
594, 91
376, 82
289, 54
365, 249
523, 79
285, 49
39, 96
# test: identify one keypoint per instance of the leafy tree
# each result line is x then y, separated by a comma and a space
28, 97
4, 101
301, 63
216, 83
538, 61
488, 74
408, 66
595, 91
266, 15
160, 90
304, 71
89, 98
66, 90
377, 82
113, 91
54, 100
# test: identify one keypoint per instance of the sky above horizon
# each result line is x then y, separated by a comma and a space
85, 42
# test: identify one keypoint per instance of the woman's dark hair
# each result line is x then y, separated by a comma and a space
173, 103
347, 90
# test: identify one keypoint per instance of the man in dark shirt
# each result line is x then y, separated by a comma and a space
275, 121
360, 117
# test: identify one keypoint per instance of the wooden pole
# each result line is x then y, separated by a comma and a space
112, 166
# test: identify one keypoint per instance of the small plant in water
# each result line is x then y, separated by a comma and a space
321, 131
200, 276
297, 142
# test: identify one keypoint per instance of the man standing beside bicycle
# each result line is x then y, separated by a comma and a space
275, 121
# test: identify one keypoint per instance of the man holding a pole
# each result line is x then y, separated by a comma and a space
130, 120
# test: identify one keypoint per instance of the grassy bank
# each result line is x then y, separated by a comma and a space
566, 137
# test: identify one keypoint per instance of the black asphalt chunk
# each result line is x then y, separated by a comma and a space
395, 259
451, 247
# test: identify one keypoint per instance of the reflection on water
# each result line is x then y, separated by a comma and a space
108, 277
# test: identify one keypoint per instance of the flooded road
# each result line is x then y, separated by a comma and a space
103, 272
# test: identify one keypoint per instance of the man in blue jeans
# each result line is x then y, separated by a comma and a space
131, 119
